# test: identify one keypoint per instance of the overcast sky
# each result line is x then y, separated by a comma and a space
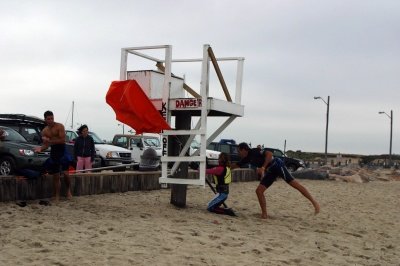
56, 52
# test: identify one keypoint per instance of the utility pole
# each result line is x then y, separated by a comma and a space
391, 134
327, 123
72, 120
284, 148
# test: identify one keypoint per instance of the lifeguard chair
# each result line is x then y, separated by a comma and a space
167, 93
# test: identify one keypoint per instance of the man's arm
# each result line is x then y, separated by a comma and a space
267, 159
235, 165
239, 164
45, 144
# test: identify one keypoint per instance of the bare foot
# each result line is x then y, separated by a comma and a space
317, 208
69, 195
264, 216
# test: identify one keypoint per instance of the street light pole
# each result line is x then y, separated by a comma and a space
327, 124
326, 134
391, 134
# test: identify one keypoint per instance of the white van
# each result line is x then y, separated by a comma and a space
138, 144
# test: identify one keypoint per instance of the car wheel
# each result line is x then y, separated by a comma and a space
7, 165
292, 168
101, 163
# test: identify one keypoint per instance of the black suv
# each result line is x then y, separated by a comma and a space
28, 126
230, 147
291, 164
226, 147
17, 153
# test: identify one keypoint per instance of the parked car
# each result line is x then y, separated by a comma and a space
30, 127
17, 153
110, 155
229, 147
292, 164
138, 144
211, 155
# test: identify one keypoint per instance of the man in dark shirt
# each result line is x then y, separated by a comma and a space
269, 168
251, 158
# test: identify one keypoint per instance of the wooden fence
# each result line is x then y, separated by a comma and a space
12, 189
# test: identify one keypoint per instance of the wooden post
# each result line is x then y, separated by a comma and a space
219, 74
178, 191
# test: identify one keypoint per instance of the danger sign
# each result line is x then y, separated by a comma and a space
187, 103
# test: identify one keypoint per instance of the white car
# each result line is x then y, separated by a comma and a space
212, 156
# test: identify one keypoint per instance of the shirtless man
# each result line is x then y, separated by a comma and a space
53, 135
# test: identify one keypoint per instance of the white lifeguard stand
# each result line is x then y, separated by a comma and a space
167, 92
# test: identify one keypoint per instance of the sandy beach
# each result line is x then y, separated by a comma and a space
358, 225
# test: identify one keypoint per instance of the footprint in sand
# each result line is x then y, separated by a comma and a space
96, 245
256, 251
213, 237
354, 234
176, 232
295, 261
321, 231
145, 215
363, 256
179, 221
36, 245
194, 233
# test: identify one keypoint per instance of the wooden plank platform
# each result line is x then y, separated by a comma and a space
12, 189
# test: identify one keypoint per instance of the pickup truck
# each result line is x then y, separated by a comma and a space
137, 144
211, 155
229, 148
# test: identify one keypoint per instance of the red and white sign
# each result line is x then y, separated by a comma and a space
187, 103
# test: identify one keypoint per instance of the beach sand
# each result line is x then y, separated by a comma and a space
359, 224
